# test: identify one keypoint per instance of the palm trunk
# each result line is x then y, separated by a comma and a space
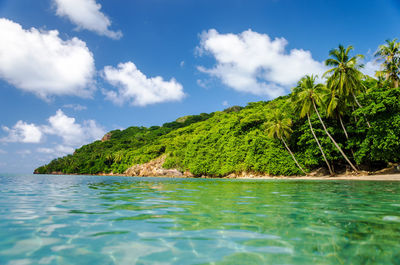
359, 105
333, 140
344, 128
396, 83
355, 118
320, 147
295, 160
345, 132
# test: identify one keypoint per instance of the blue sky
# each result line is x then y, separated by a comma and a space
71, 70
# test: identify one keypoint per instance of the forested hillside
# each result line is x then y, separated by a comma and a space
350, 121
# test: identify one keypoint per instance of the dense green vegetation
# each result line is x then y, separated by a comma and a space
352, 121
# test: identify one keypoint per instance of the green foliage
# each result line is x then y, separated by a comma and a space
381, 143
236, 139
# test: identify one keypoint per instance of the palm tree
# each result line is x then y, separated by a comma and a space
310, 94
336, 109
278, 127
389, 53
304, 95
345, 76
118, 156
109, 158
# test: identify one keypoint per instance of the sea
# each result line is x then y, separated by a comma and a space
62, 219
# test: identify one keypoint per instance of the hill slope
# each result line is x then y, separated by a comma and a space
234, 140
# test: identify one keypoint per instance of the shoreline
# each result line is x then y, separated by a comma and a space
376, 177
387, 174
386, 177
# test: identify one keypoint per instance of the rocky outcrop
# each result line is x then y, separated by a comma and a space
154, 169
106, 137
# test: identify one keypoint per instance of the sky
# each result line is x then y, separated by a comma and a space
72, 70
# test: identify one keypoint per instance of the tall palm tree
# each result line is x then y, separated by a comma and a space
304, 95
278, 127
310, 94
336, 108
389, 53
345, 76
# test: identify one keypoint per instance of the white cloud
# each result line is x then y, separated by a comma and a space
76, 107
39, 62
137, 88
86, 14
3, 151
22, 132
225, 103
371, 67
59, 150
254, 63
45, 150
72, 133
203, 83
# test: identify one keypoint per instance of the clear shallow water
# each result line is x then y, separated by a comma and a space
117, 220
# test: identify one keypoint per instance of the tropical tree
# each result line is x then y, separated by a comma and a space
109, 158
345, 76
389, 53
279, 127
304, 95
336, 108
118, 156
309, 95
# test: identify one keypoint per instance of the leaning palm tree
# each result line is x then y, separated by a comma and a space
304, 95
278, 127
345, 76
309, 95
389, 53
336, 108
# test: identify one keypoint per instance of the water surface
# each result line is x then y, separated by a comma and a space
120, 220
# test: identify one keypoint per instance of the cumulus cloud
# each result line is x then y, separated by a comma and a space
254, 63
86, 14
23, 132
135, 87
73, 134
40, 62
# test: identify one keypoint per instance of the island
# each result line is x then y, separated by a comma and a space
343, 122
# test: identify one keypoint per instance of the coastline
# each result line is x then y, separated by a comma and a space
363, 177
381, 177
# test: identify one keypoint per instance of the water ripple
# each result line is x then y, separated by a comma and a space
116, 220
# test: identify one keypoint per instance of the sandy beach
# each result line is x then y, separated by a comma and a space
383, 177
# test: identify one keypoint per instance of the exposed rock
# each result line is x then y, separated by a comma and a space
106, 137
153, 168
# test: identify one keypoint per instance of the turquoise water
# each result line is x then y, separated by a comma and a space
117, 220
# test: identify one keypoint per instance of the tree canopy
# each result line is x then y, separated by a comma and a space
317, 123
